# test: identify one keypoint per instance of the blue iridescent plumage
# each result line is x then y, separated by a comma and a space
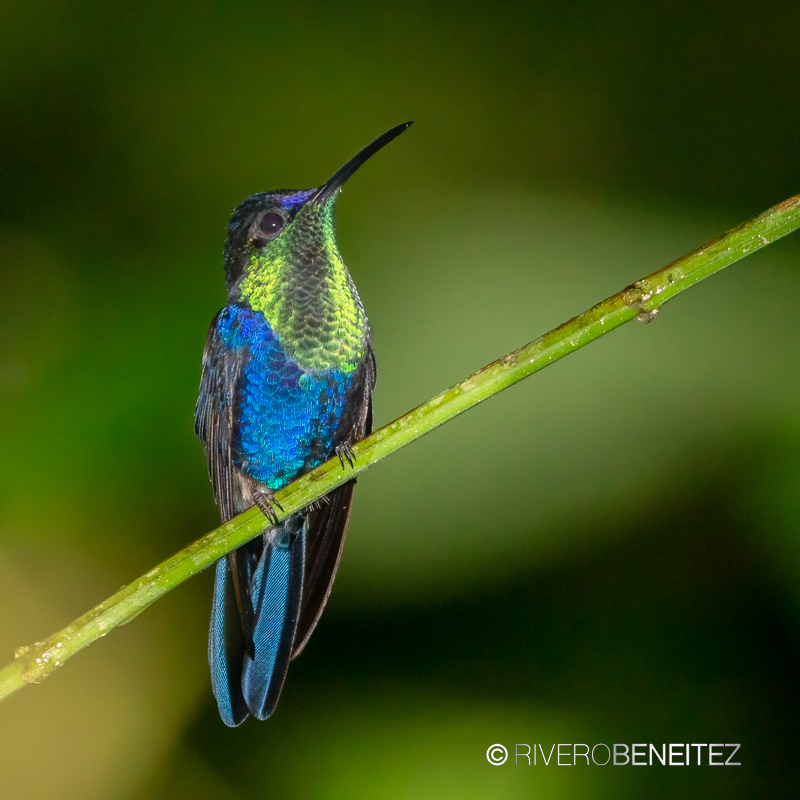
288, 374
270, 446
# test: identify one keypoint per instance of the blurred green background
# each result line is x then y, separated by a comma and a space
606, 553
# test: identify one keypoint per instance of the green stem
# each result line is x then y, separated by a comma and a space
642, 300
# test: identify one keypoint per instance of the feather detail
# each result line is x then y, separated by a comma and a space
276, 591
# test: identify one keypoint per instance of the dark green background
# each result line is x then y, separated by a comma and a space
607, 553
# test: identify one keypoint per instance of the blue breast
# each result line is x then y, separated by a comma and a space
285, 418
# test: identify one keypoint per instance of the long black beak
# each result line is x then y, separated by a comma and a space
338, 180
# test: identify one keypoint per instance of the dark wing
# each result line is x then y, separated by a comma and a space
213, 415
232, 618
327, 526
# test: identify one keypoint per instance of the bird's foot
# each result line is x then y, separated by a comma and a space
345, 451
316, 505
266, 502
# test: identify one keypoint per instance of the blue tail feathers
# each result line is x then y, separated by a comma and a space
251, 684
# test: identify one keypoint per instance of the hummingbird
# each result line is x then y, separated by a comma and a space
287, 381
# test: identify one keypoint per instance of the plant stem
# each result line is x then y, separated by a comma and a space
641, 300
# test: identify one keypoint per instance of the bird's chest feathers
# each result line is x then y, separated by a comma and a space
314, 311
285, 417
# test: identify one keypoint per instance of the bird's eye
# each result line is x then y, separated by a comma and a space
271, 223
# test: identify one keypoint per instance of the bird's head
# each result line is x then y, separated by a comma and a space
290, 228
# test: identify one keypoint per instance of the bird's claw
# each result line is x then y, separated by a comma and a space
267, 504
345, 451
316, 505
